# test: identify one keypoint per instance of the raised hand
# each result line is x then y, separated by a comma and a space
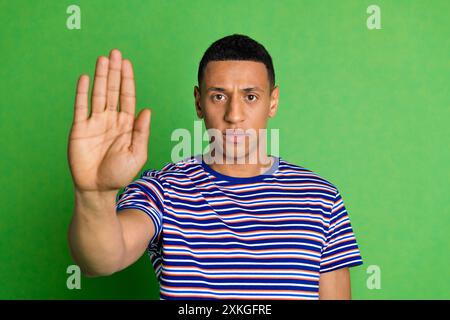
107, 148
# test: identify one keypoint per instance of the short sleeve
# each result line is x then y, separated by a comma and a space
145, 194
340, 249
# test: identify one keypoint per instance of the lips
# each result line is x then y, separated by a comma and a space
235, 136
234, 132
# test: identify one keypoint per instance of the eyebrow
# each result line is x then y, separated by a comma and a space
244, 90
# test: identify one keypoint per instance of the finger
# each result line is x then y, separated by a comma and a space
127, 89
98, 99
81, 112
141, 133
112, 94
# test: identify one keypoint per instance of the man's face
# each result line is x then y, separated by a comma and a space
233, 97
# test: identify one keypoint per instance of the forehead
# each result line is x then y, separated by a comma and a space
235, 72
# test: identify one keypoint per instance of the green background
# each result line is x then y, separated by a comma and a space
366, 109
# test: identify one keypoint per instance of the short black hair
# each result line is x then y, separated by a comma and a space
237, 47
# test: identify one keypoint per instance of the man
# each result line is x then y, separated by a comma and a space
239, 229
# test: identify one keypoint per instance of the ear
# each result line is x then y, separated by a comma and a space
274, 101
198, 106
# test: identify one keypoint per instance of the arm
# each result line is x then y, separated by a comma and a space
103, 242
335, 285
107, 148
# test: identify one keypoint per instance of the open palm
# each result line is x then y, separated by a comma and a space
107, 148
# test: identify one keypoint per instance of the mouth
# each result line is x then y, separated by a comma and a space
234, 135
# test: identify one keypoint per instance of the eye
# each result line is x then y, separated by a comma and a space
252, 97
218, 97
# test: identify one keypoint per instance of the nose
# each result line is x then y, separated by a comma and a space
234, 111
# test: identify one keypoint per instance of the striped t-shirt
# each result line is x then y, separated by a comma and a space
222, 237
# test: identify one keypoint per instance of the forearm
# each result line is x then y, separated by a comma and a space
95, 234
335, 285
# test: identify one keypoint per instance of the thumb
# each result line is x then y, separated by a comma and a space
141, 133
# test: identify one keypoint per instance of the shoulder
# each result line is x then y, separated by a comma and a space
159, 180
173, 170
298, 173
